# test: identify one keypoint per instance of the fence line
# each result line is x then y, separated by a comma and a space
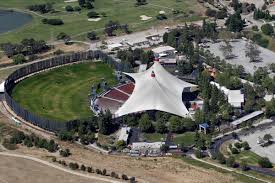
44, 123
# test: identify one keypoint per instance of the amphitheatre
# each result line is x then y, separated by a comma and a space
137, 91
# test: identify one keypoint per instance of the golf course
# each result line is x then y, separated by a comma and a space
76, 23
62, 94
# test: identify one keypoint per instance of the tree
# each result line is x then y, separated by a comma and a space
198, 154
69, 8
93, 14
82, 3
164, 148
175, 124
252, 51
18, 59
245, 145
105, 122
221, 158
230, 162
243, 165
267, 29
145, 124
110, 27
140, 2
265, 163
92, 36
161, 126
268, 137
120, 144
235, 23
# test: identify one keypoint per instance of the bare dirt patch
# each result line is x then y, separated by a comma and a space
26, 171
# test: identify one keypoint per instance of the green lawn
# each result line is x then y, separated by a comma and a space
62, 93
77, 25
187, 138
153, 137
250, 157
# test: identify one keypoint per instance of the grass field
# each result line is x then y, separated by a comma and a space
187, 138
77, 25
153, 137
62, 93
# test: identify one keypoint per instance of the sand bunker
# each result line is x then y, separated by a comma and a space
144, 17
94, 19
161, 12
70, 1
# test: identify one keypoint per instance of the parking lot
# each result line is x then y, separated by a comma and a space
252, 138
239, 47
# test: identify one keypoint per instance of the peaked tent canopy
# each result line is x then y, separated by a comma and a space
156, 89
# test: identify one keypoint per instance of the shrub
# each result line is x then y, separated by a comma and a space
93, 14
52, 21
267, 29
18, 59
238, 145
73, 166
83, 168
234, 151
77, 8
92, 35
198, 154
69, 8
221, 158
98, 171
89, 169
255, 28
265, 163
124, 177
230, 162
161, 17
8, 145
243, 165
104, 172
53, 159
132, 180
246, 145
65, 153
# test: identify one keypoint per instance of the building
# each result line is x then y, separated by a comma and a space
234, 97
156, 89
2, 87
115, 46
164, 51
124, 134
165, 55
146, 148
142, 43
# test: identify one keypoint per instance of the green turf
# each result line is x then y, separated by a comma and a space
250, 157
77, 25
187, 138
62, 93
153, 137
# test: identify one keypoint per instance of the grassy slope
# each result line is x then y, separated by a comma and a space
187, 138
62, 93
122, 10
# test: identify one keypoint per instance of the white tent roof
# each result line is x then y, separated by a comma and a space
162, 92
2, 88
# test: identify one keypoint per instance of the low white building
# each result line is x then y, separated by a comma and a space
124, 134
114, 46
234, 97
2, 87
164, 51
146, 148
